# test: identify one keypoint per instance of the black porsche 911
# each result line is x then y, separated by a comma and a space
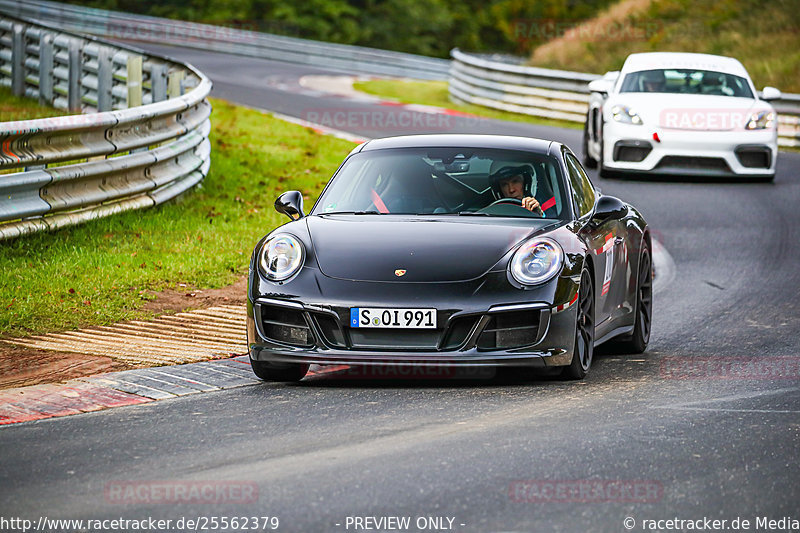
420, 252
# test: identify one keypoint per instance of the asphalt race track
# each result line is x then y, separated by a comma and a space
705, 424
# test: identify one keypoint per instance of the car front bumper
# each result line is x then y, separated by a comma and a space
522, 328
628, 148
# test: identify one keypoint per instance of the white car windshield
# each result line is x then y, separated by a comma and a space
443, 181
686, 81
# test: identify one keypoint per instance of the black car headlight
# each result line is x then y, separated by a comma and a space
281, 257
536, 261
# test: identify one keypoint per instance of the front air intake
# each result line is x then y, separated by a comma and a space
285, 325
512, 329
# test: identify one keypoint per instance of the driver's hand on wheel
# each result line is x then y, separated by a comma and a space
531, 204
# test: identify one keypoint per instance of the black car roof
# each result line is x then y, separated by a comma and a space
505, 142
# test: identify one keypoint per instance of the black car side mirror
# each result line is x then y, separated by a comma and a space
609, 208
290, 204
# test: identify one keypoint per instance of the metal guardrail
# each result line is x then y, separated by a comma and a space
329, 56
519, 89
123, 155
557, 93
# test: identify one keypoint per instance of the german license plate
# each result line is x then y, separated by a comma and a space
378, 317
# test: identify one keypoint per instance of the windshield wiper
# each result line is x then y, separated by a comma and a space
474, 214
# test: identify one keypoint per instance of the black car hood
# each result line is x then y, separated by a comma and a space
373, 247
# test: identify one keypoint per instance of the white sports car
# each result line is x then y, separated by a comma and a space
681, 114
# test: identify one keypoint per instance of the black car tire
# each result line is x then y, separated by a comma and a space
604, 172
584, 331
588, 161
271, 372
638, 340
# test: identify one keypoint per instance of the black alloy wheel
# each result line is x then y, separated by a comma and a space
584, 331
637, 342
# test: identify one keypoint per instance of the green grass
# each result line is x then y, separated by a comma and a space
435, 93
16, 108
102, 272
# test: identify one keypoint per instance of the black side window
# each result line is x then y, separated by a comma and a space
582, 191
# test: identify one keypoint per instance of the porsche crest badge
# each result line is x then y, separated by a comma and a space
399, 272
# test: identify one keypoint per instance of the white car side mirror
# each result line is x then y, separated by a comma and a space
601, 86
770, 93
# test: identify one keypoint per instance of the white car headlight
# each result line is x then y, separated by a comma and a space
760, 120
536, 261
626, 115
281, 257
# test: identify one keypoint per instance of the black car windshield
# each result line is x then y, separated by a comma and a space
686, 81
445, 181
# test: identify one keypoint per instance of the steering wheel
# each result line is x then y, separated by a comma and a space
515, 201
511, 201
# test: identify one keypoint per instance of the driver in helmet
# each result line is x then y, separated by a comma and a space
653, 81
515, 182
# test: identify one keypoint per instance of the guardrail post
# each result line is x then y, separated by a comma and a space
175, 84
74, 90
46, 69
18, 60
105, 74
134, 80
158, 80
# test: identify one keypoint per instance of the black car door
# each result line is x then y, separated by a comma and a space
605, 243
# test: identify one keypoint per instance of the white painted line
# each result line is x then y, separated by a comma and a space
664, 266
722, 409
221, 369
164, 385
338, 85
128, 386
183, 378
697, 405
743, 396
347, 136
